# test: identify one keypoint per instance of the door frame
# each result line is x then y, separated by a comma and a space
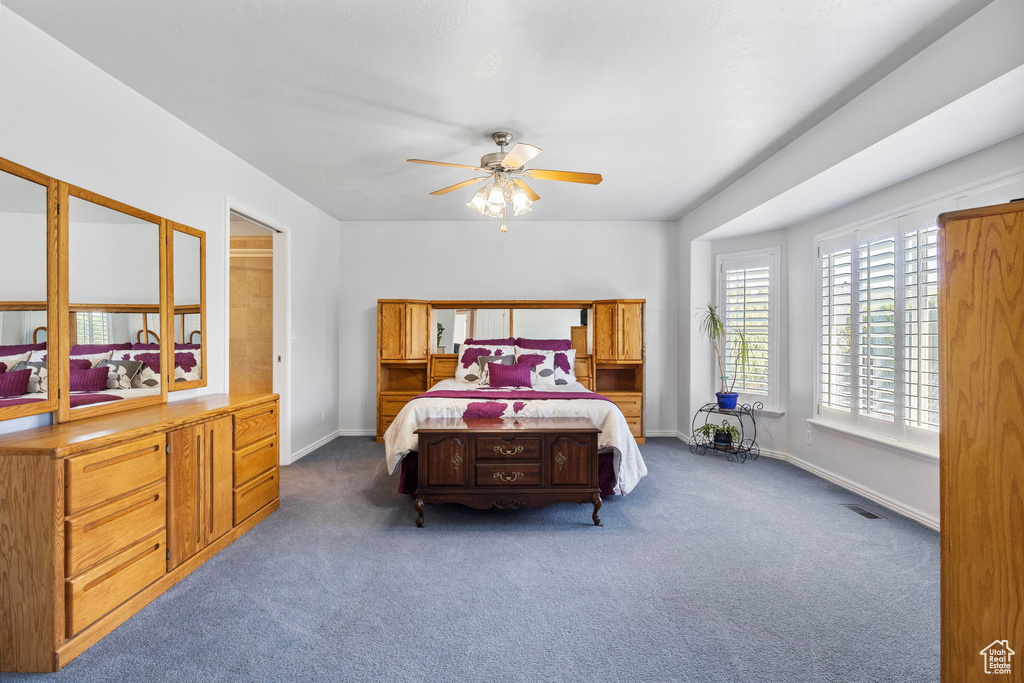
282, 313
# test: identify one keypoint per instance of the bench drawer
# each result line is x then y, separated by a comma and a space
254, 461
97, 477
95, 535
255, 495
96, 592
508, 474
518, 447
255, 424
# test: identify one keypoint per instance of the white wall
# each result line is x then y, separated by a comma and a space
66, 118
534, 260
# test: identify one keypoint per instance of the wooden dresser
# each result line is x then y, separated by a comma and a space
509, 464
100, 516
981, 438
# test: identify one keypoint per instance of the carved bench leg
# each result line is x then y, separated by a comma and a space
597, 507
419, 512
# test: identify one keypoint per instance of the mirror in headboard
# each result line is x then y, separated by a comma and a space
453, 326
115, 337
553, 323
188, 265
28, 233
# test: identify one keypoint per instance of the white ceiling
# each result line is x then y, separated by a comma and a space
671, 101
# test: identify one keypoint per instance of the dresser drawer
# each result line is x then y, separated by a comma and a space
385, 422
255, 424
254, 461
95, 535
518, 447
635, 426
631, 405
97, 477
255, 495
508, 474
95, 592
390, 405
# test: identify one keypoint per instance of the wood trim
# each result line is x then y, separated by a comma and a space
61, 374
114, 308
22, 306
8, 166
92, 634
514, 303
979, 212
109, 203
189, 309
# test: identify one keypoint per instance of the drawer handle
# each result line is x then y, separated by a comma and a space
457, 461
508, 451
119, 459
516, 476
560, 461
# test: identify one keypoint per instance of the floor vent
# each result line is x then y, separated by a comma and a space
863, 512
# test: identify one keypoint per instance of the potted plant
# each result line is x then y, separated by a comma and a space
721, 436
440, 331
712, 326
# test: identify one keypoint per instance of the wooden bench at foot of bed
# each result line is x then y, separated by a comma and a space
508, 464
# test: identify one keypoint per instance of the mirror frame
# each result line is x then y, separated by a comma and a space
52, 309
169, 331
64, 411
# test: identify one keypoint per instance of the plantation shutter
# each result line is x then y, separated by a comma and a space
876, 328
921, 315
836, 329
746, 312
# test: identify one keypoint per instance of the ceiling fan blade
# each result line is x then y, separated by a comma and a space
526, 188
520, 155
565, 176
445, 163
458, 186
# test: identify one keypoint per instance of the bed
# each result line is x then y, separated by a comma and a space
619, 455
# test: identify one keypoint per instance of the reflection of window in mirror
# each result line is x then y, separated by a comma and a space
114, 292
187, 323
24, 382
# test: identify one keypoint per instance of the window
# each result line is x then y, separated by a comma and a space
746, 303
93, 328
878, 334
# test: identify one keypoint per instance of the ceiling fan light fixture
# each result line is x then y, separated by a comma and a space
520, 202
479, 202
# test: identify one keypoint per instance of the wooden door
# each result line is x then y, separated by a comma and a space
185, 483
630, 336
392, 337
981, 473
416, 337
251, 333
570, 461
605, 339
446, 462
220, 464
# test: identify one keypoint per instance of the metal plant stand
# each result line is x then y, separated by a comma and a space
745, 449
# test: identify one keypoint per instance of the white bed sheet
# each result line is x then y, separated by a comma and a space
401, 438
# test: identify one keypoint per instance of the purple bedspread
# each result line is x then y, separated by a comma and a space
516, 394
409, 476
89, 399
5, 402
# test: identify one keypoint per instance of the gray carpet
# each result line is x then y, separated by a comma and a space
709, 571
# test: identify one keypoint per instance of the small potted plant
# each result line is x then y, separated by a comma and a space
721, 436
713, 327
440, 331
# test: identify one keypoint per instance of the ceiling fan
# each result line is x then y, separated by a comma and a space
506, 172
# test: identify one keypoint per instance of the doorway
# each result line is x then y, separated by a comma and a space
251, 295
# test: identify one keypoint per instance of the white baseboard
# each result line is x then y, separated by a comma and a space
660, 432
313, 446
872, 495
356, 432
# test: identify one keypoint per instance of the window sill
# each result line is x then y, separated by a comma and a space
906, 449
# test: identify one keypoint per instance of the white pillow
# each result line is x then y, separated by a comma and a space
467, 369
11, 361
94, 358
542, 370
561, 376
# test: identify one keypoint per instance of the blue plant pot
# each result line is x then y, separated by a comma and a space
727, 401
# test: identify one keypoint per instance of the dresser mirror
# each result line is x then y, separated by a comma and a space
27, 232
188, 265
114, 290
553, 323
453, 326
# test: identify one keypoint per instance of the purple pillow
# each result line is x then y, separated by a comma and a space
187, 347
490, 342
516, 375
94, 379
14, 383
18, 349
144, 347
79, 364
86, 349
544, 344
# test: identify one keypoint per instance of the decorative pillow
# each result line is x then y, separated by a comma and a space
94, 379
564, 362
92, 349
507, 341
120, 373
93, 358
484, 361
149, 375
515, 375
37, 356
467, 369
186, 366
14, 383
542, 366
8, 362
18, 349
37, 382
544, 344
